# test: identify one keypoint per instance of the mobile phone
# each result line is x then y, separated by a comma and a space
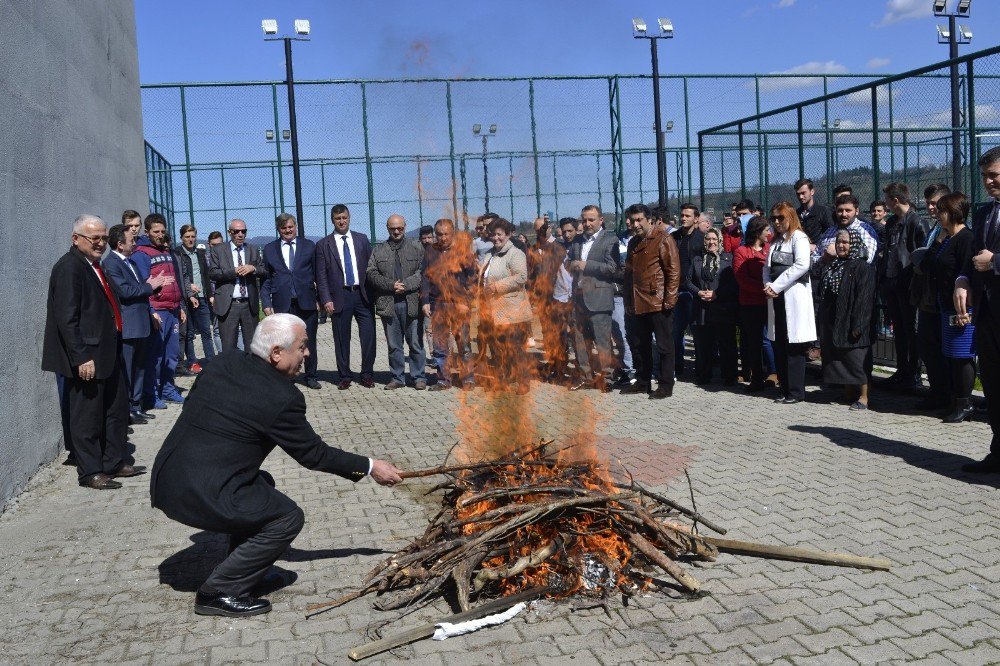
953, 320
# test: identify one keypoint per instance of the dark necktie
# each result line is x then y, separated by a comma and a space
291, 262
992, 222
239, 259
110, 296
348, 263
397, 267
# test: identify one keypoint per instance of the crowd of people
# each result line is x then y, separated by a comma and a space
761, 296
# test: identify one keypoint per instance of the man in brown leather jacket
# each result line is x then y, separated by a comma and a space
652, 278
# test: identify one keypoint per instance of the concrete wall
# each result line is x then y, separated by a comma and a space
70, 142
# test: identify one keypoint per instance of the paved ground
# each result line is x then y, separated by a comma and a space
101, 577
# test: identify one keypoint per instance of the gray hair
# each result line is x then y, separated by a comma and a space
82, 221
274, 330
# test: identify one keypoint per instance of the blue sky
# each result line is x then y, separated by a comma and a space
220, 40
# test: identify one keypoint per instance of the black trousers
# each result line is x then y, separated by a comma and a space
715, 339
311, 318
929, 347
354, 308
753, 319
98, 422
250, 555
660, 324
238, 318
988, 347
790, 357
903, 315
134, 358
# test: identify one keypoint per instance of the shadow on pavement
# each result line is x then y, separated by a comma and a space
939, 462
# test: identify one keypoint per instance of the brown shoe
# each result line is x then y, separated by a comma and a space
420, 384
100, 482
129, 470
368, 382
393, 385
344, 384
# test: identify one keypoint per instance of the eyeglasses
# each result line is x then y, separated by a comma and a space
94, 239
777, 218
238, 232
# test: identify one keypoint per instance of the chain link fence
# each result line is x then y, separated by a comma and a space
407, 146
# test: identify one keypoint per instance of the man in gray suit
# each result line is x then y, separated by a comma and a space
595, 262
235, 267
394, 278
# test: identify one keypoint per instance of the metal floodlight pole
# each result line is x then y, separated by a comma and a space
639, 31
302, 28
954, 37
477, 129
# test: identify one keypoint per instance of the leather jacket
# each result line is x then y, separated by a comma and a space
653, 271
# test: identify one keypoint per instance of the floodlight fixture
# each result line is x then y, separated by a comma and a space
477, 128
638, 28
493, 128
269, 135
270, 26
964, 7
944, 35
666, 28
302, 27
964, 34
836, 122
286, 135
940, 7
670, 126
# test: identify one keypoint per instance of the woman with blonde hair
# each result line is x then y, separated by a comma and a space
791, 321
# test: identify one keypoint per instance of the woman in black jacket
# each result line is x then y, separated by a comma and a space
847, 290
712, 283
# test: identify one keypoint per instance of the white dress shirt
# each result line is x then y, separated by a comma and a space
589, 243
129, 264
285, 251
343, 239
237, 260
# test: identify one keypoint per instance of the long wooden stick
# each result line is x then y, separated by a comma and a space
809, 555
694, 515
426, 630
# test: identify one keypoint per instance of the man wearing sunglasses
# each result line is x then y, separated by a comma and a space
235, 267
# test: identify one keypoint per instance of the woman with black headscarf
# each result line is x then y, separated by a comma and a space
715, 292
847, 290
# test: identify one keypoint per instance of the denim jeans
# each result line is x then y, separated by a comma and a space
400, 327
620, 335
199, 318
161, 358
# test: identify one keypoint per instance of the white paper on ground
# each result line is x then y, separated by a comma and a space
447, 629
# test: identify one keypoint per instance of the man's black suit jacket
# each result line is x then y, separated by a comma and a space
330, 268
207, 474
79, 320
276, 290
984, 284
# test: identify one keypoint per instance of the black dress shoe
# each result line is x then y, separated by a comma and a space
963, 410
127, 470
662, 391
100, 482
788, 401
135, 419
273, 581
145, 415
638, 387
988, 465
241, 606
344, 384
312, 383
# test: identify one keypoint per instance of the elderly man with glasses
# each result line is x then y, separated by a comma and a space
235, 267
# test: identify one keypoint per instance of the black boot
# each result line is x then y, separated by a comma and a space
961, 411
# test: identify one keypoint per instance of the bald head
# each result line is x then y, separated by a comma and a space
396, 226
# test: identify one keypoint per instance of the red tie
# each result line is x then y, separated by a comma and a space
111, 297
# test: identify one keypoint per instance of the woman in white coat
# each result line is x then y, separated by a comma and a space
791, 320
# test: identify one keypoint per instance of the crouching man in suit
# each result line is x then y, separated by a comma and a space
208, 476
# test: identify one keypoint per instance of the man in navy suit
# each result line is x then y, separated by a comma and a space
133, 294
341, 264
290, 285
978, 287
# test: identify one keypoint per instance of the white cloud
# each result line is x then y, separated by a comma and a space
985, 113
750, 11
811, 67
784, 3
863, 98
877, 63
901, 10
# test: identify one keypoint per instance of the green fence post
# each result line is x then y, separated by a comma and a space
892, 139
765, 190
701, 170
322, 180
277, 147
876, 169
534, 148
761, 175
420, 190
802, 145
465, 197
906, 155
187, 156
826, 126
225, 210
274, 192
974, 180
368, 162
600, 202
510, 186
743, 168
555, 186
687, 139
451, 153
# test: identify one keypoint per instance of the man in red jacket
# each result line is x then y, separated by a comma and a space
153, 257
